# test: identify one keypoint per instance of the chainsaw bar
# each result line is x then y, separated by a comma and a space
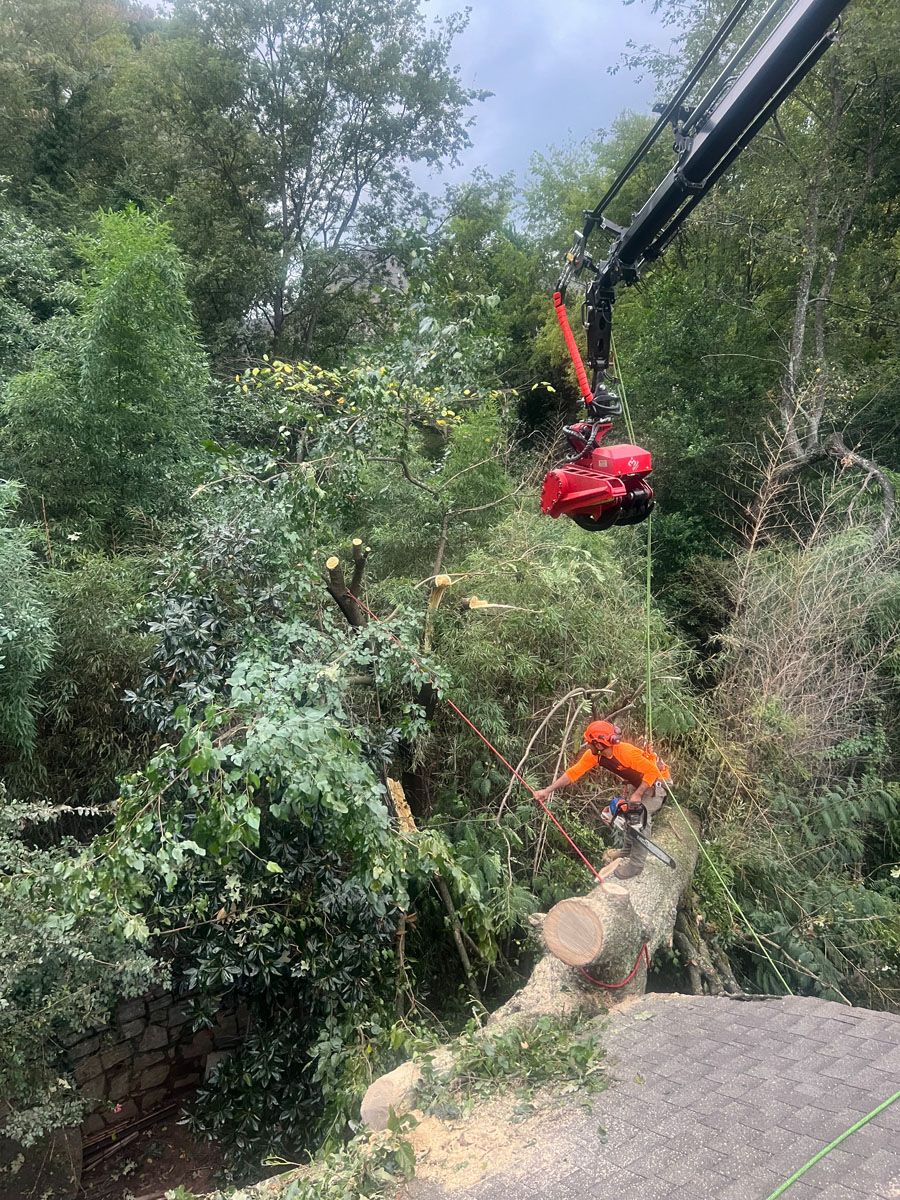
654, 849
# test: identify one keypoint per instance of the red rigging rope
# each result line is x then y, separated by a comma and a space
489, 744
642, 953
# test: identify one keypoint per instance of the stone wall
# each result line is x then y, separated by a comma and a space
147, 1058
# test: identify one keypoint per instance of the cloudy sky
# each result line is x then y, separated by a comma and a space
547, 63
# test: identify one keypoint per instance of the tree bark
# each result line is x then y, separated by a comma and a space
645, 915
343, 596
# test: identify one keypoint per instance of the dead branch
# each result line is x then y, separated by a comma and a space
576, 693
457, 931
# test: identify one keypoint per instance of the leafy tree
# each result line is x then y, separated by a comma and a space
477, 266
62, 144
26, 634
258, 843
105, 424
303, 121
28, 275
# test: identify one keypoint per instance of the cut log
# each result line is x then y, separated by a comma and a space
602, 934
599, 930
573, 932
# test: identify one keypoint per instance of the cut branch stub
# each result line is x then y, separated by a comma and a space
344, 597
438, 587
360, 555
574, 933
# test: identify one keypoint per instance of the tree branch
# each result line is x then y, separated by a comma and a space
405, 469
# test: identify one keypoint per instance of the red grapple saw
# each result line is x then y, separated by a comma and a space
597, 486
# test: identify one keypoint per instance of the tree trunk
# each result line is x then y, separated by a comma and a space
602, 934
610, 932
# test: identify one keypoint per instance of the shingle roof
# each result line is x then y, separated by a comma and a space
721, 1100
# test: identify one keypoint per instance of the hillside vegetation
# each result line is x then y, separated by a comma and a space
237, 341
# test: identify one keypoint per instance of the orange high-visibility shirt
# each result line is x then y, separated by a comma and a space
629, 762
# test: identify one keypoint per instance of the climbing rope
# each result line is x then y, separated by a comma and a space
643, 952
648, 707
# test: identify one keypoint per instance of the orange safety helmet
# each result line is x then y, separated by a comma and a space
602, 733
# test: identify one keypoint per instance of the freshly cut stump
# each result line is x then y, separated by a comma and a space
574, 933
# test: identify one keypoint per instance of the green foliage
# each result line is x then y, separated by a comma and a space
365, 1167
713, 880
28, 274
120, 386
26, 633
524, 1057
87, 735
575, 621
205, 679
59, 60
61, 974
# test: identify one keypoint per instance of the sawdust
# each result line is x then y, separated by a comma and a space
459, 1154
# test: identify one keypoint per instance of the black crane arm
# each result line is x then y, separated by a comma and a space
708, 138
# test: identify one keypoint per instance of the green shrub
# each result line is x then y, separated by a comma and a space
61, 973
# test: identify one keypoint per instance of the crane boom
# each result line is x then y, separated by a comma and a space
708, 138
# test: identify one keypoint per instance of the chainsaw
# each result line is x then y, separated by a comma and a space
632, 818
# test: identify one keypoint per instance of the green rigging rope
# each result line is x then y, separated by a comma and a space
729, 893
649, 705
831, 1145
649, 698
621, 385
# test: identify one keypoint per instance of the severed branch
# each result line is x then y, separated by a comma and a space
474, 604
838, 449
457, 931
344, 597
360, 557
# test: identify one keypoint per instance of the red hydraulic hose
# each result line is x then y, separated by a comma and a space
566, 328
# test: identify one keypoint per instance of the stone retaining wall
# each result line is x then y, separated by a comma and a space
148, 1057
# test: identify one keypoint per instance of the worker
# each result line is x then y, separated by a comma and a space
639, 768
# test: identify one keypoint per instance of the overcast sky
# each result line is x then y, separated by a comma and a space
546, 61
